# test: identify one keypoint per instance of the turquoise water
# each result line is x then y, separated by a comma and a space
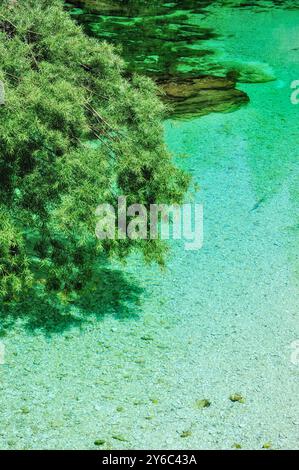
217, 322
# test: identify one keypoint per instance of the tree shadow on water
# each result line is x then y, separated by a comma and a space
113, 292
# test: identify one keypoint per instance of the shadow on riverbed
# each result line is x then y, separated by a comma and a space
113, 293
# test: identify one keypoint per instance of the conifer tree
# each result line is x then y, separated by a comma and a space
76, 131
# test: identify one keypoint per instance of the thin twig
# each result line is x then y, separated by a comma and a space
100, 138
16, 28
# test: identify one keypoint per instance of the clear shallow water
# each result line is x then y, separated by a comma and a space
217, 322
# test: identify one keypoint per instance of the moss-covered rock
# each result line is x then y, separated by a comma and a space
199, 96
237, 397
267, 445
99, 442
203, 403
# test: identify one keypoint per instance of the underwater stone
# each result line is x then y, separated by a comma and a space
267, 445
204, 403
138, 402
25, 410
147, 338
99, 442
11, 442
236, 445
199, 96
155, 401
237, 397
184, 88
119, 437
149, 417
185, 434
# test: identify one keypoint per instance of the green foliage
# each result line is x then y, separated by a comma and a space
64, 91
14, 264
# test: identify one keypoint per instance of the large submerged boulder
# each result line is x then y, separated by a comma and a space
199, 96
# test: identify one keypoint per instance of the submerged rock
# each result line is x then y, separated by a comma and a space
204, 403
199, 96
119, 437
249, 72
237, 397
185, 434
267, 445
147, 338
155, 401
99, 442
236, 445
25, 410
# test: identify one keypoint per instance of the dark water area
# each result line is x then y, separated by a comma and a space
171, 43
160, 40
157, 40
